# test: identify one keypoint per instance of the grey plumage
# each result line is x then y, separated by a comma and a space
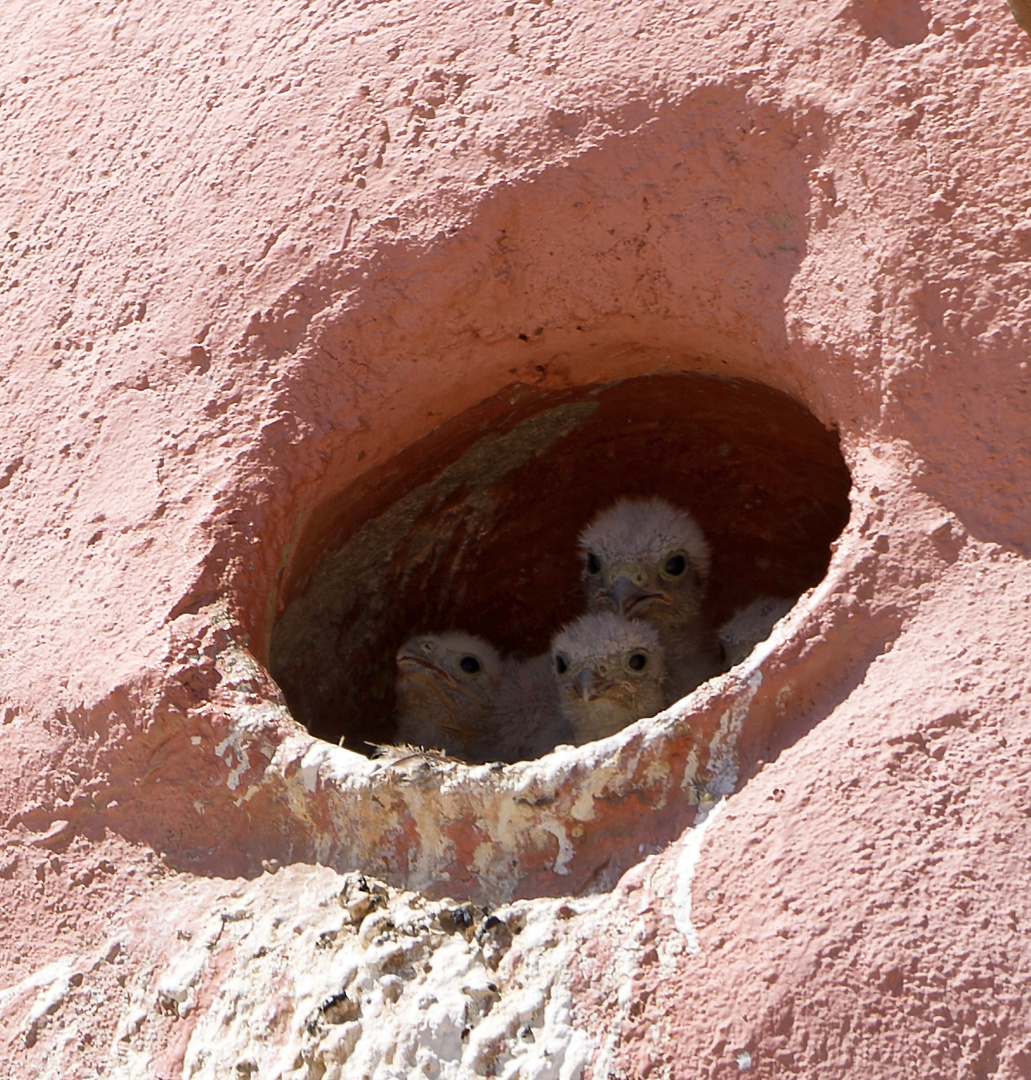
647, 560
528, 720
610, 672
446, 687
749, 625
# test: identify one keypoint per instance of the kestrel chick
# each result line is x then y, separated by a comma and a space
528, 719
445, 689
644, 559
610, 672
749, 625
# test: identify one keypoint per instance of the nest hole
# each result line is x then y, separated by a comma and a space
475, 527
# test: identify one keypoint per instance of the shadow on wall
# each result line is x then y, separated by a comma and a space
694, 212
895, 22
667, 249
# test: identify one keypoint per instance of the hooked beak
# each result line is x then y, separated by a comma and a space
587, 686
410, 660
626, 595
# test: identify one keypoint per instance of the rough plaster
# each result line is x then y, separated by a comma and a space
248, 257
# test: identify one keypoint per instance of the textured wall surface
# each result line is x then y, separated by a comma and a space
251, 253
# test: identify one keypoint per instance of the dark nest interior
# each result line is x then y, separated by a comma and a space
475, 527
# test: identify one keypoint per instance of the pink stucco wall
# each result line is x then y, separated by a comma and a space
251, 254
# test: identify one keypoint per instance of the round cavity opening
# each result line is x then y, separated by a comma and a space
475, 527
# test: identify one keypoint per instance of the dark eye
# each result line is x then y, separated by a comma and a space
469, 664
637, 661
593, 564
676, 565
560, 665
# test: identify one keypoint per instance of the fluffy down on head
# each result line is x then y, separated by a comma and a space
610, 672
645, 531
445, 688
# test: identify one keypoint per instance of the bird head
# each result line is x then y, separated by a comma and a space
458, 666
643, 558
609, 672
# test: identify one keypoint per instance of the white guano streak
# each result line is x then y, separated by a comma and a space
687, 861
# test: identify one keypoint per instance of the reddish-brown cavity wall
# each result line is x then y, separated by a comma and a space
250, 259
480, 531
